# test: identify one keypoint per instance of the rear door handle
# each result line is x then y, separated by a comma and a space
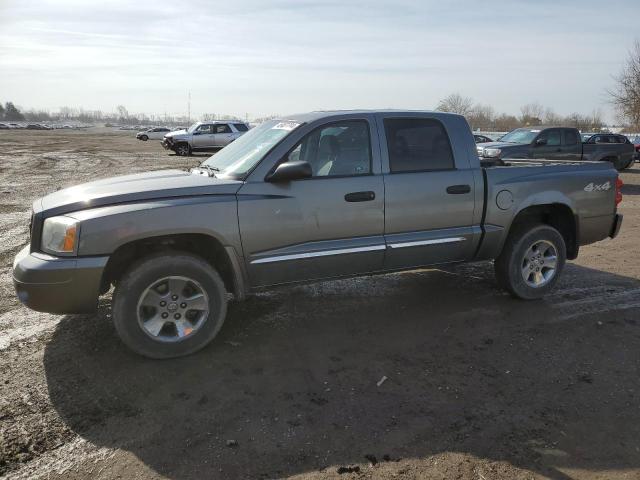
360, 196
458, 189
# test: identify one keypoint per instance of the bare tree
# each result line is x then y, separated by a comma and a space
456, 103
626, 94
504, 122
123, 113
481, 116
551, 118
531, 114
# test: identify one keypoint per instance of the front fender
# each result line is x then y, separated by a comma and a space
104, 229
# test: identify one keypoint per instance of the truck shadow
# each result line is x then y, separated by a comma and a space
294, 382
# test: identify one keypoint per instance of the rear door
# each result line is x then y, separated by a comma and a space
222, 134
551, 147
571, 145
429, 195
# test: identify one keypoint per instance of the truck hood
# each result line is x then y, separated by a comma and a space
500, 145
132, 188
177, 133
503, 146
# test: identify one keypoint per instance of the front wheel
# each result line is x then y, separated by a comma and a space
169, 305
144, 138
182, 150
531, 261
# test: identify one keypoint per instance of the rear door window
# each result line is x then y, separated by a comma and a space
221, 128
552, 137
417, 144
570, 137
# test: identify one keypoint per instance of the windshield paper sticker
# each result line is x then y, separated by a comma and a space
285, 126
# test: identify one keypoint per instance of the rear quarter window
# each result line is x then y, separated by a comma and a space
241, 127
417, 144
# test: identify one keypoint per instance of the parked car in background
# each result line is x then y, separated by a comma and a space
306, 198
636, 145
481, 138
37, 126
155, 133
204, 136
4, 126
554, 143
607, 138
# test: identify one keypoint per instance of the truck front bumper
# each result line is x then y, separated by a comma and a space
617, 223
167, 144
58, 285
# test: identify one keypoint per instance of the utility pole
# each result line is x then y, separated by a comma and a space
189, 108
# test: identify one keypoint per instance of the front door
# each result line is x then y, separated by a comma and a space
548, 145
325, 226
429, 196
203, 137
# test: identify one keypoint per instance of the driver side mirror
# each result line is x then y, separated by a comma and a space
288, 171
540, 142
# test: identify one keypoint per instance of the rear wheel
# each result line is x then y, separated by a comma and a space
182, 149
617, 163
531, 261
169, 305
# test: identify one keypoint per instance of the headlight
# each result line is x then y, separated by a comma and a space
491, 152
60, 235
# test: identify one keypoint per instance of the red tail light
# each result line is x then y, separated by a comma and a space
618, 191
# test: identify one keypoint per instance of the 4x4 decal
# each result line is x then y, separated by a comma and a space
592, 187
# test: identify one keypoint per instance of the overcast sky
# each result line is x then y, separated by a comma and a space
284, 56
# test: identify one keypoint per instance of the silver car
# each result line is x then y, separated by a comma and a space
204, 136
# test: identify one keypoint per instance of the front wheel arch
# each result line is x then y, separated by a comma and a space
224, 259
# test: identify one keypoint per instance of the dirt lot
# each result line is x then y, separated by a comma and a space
479, 386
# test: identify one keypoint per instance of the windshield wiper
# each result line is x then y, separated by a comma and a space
211, 171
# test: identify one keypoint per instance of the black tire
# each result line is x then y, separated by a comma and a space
616, 162
135, 282
511, 263
182, 149
144, 138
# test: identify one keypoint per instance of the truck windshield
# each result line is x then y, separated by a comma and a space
239, 157
520, 135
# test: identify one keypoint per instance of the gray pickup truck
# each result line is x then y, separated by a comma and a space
554, 143
308, 197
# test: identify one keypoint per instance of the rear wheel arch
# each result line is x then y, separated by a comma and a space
558, 215
223, 259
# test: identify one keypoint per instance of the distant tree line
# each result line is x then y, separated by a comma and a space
483, 117
10, 112
120, 116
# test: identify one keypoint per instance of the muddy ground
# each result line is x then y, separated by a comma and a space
479, 386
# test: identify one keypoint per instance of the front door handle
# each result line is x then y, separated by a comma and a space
360, 196
458, 189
